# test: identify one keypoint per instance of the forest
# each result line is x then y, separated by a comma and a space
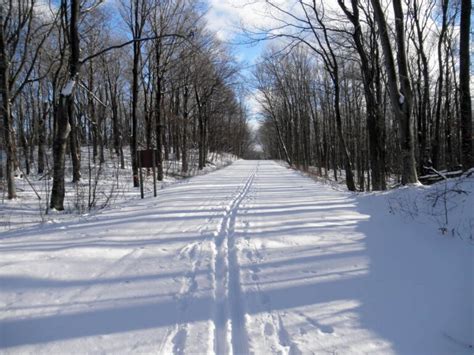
379, 89
139, 74
236, 177
374, 91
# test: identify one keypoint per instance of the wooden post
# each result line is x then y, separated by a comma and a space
154, 172
141, 174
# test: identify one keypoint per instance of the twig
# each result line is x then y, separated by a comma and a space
31, 185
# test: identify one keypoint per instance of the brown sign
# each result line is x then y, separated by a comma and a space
145, 158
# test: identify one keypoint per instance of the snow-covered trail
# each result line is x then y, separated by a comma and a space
253, 258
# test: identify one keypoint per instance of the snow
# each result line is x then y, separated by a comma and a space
401, 99
110, 186
251, 258
68, 88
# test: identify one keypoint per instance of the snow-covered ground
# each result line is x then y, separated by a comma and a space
102, 186
250, 258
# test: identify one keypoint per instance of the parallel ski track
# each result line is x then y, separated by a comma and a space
230, 332
175, 339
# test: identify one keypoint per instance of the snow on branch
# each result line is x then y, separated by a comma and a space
68, 88
401, 99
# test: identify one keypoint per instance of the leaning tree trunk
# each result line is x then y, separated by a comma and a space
347, 158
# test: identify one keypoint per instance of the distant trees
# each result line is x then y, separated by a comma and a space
22, 35
391, 66
70, 80
370, 87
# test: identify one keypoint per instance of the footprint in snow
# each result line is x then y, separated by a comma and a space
326, 329
266, 299
268, 329
255, 269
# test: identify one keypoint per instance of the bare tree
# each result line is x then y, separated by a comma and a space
440, 85
65, 110
375, 120
135, 15
464, 81
6, 108
399, 85
22, 36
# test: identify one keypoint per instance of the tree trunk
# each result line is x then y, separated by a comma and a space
133, 138
6, 111
437, 125
347, 158
22, 138
401, 100
424, 133
158, 125
74, 71
464, 86
184, 153
59, 153
200, 129
75, 145
375, 120
42, 138
63, 113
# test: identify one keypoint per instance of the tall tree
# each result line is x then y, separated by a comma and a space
65, 109
6, 107
440, 87
399, 85
375, 119
135, 14
464, 85
22, 36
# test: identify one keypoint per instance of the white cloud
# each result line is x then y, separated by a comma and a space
45, 9
252, 102
228, 17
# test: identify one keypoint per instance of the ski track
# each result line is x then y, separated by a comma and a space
273, 327
251, 259
230, 333
175, 339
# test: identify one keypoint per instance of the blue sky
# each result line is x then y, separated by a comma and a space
227, 18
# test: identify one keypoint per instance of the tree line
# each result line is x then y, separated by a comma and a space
375, 88
143, 74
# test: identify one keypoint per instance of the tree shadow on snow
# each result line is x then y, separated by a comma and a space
350, 260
